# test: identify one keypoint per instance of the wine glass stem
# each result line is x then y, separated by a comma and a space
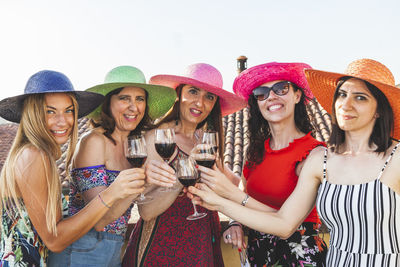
195, 209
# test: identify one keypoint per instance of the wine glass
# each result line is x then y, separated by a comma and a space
206, 150
164, 142
188, 175
135, 152
211, 138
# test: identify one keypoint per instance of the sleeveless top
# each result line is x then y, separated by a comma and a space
363, 221
86, 178
274, 179
20, 243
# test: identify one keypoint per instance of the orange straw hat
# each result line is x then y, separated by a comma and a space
323, 85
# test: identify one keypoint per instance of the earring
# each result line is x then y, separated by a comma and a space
376, 115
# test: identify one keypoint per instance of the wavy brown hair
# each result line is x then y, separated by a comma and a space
384, 124
107, 122
259, 129
212, 122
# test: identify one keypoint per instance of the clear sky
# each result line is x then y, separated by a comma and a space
85, 39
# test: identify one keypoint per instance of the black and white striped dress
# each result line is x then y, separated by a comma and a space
363, 221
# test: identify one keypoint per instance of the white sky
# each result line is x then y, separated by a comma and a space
85, 39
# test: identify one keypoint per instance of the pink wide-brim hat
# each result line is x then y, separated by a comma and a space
254, 77
206, 77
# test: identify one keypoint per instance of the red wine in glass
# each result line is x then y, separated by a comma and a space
136, 154
165, 150
188, 180
208, 163
137, 161
164, 143
188, 175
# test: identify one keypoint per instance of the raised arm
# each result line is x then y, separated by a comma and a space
158, 174
91, 152
284, 222
32, 170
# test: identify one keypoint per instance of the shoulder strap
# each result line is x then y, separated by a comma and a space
325, 160
387, 161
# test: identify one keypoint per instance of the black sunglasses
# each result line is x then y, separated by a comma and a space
280, 88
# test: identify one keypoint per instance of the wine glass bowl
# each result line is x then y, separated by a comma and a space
136, 154
210, 138
164, 142
188, 175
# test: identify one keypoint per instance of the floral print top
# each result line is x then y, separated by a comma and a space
87, 178
20, 243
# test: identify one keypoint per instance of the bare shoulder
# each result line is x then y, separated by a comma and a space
316, 155
90, 150
30, 160
313, 164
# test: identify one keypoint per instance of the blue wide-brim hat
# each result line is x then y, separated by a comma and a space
48, 81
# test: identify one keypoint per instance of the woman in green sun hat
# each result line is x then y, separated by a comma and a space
129, 107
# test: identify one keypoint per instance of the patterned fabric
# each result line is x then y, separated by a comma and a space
171, 240
21, 246
86, 178
304, 248
363, 221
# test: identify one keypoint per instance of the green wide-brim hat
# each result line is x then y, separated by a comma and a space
160, 98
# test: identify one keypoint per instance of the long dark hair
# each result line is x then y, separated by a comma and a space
107, 121
259, 129
213, 120
381, 133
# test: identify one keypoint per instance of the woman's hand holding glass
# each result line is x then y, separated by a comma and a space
135, 152
160, 173
128, 182
188, 176
202, 195
217, 181
164, 142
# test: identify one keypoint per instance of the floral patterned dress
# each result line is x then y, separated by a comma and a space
21, 246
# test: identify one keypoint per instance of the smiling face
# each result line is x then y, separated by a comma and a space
128, 108
275, 108
59, 116
355, 106
195, 104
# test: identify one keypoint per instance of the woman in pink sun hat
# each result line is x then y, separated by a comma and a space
355, 184
164, 236
281, 138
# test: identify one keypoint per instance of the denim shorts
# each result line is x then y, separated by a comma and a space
95, 249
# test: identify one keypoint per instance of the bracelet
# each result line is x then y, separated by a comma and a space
232, 224
244, 201
102, 201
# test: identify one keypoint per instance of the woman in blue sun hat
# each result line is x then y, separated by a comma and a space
32, 205
129, 107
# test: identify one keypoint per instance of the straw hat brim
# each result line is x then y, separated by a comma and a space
11, 107
323, 85
160, 98
229, 102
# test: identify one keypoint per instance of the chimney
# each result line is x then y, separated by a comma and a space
241, 64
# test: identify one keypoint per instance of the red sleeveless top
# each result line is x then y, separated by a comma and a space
274, 179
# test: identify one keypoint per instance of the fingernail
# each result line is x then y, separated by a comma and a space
240, 250
197, 166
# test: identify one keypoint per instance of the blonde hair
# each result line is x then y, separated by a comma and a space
33, 131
